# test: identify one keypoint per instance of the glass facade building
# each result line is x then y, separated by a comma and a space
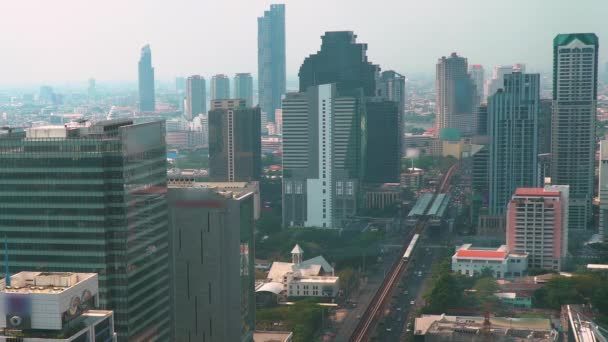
271, 60
147, 97
93, 199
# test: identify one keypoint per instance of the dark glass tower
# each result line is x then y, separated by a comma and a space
196, 96
235, 141
243, 88
92, 199
383, 148
271, 59
341, 60
147, 100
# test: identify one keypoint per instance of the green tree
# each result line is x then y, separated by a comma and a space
445, 294
485, 288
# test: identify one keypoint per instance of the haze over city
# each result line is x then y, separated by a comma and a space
72, 40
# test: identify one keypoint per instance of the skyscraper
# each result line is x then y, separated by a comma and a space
498, 77
545, 109
271, 59
537, 224
478, 76
575, 59
513, 132
341, 60
212, 262
391, 86
243, 88
235, 141
456, 96
383, 152
323, 156
603, 190
92, 199
147, 100
196, 96
220, 87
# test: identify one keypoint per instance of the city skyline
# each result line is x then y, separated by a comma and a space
113, 62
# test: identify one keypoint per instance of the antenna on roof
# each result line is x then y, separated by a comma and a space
7, 275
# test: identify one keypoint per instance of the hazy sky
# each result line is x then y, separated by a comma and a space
43, 41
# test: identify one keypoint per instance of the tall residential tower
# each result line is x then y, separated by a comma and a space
573, 143
220, 87
243, 88
271, 60
196, 97
513, 132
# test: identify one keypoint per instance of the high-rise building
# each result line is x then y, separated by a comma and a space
92, 199
323, 156
383, 152
481, 117
278, 121
53, 307
513, 127
220, 87
478, 76
545, 109
234, 141
212, 261
91, 92
341, 60
243, 88
573, 143
196, 97
603, 190
147, 99
498, 77
537, 224
456, 95
391, 86
271, 60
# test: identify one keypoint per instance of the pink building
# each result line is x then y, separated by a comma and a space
537, 224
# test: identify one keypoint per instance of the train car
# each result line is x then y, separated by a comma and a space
410, 247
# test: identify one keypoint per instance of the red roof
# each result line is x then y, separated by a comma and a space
535, 192
467, 253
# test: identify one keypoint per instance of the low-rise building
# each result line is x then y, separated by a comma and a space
514, 299
53, 307
502, 263
303, 278
478, 329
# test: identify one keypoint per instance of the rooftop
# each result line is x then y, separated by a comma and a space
481, 254
536, 192
43, 282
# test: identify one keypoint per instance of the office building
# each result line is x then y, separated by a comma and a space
478, 76
537, 224
545, 109
383, 154
497, 80
91, 198
482, 119
341, 60
243, 88
196, 97
513, 123
456, 95
53, 307
471, 261
234, 142
391, 86
603, 190
573, 128
323, 156
212, 263
271, 60
278, 121
220, 87
147, 99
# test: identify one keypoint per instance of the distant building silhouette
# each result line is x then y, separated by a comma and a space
243, 88
196, 97
220, 87
147, 100
271, 60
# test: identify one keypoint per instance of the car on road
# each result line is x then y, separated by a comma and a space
412, 302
